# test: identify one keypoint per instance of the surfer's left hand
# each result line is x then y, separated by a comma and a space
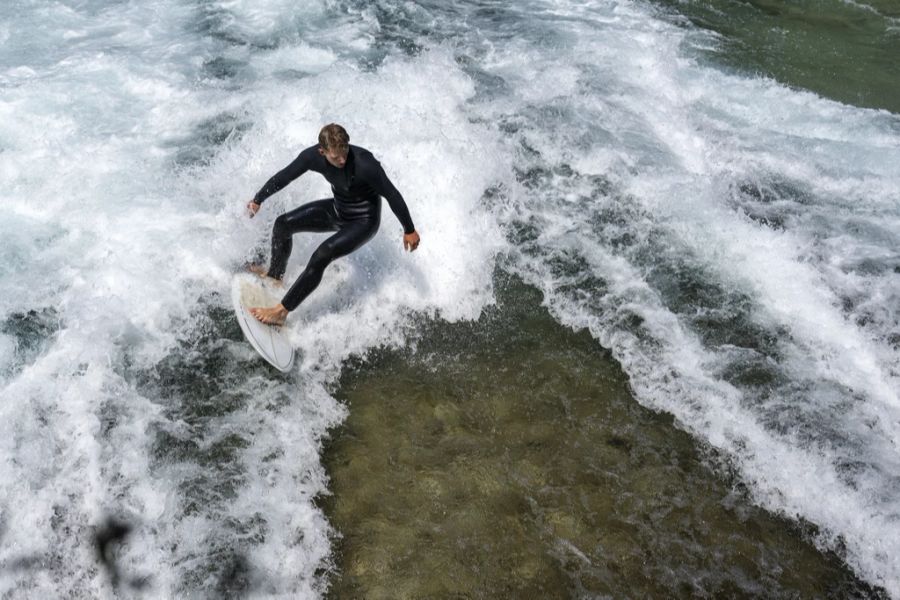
410, 241
252, 208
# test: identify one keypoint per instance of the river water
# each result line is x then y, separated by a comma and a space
649, 345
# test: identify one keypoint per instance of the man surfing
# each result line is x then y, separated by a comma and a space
358, 182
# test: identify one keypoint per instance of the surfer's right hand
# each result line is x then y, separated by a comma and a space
252, 208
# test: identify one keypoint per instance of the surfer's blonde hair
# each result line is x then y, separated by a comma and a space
334, 137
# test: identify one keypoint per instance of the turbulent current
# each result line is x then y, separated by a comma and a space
730, 237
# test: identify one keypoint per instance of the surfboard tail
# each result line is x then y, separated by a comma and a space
269, 341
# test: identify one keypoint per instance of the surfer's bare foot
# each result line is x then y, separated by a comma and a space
270, 316
263, 271
260, 270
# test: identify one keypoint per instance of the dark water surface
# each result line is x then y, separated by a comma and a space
506, 458
844, 50
509, 458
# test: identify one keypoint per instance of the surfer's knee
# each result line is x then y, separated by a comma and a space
322, 257
281, 227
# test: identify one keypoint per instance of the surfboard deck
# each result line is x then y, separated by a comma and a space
250, 291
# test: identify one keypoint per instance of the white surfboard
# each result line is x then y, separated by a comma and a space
250, 291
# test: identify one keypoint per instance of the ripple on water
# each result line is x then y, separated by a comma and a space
507, 467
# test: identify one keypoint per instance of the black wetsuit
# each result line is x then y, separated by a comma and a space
354, 213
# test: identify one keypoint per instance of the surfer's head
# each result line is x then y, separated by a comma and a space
334, 144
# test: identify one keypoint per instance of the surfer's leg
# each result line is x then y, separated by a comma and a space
316, 216
350, 237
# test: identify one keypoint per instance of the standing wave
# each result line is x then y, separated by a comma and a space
146, 449
732, 241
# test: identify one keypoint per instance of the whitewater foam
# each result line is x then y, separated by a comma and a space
128, 165
656, 247
732, 242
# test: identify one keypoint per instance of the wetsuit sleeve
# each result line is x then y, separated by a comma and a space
385, 188
282, 178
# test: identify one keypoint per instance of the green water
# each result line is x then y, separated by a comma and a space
844, 50
506, 458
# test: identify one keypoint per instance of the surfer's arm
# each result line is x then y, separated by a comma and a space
282, 178
395, 200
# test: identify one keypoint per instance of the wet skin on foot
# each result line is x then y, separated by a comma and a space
270, 316
263, 272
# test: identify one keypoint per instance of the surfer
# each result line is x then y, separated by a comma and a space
354, 213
